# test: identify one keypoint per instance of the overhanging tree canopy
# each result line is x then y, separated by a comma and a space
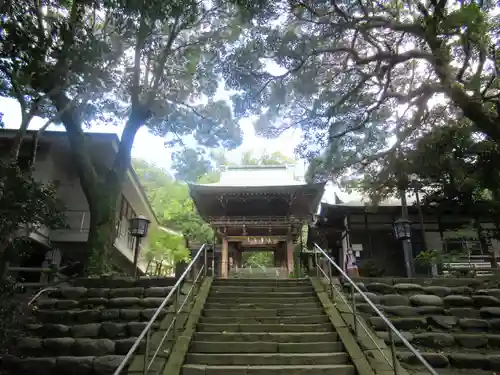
141, 62
363, 79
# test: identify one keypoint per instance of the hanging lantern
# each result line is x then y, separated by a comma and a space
402, 229
139, 226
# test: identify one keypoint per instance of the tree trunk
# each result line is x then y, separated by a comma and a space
4, 244
19, 137
102, 192
102, 231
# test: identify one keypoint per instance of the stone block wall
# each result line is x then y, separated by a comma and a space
454, 323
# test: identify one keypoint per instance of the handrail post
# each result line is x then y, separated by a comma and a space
354, 312
146, 353
316, 262
176, 306
205, 261
392, 329
151, 353
330, 281
393, 352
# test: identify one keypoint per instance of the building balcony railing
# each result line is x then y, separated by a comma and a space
77, 227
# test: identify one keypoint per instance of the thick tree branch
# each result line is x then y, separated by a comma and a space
26, 117
76, 137
384, 56
160, 67
472, 106
41, 28
135, 91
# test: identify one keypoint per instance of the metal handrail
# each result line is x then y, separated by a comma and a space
50, 286
392, 330
146, 332
49, 289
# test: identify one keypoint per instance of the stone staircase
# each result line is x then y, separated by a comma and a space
265, 327
86, 328
455, 323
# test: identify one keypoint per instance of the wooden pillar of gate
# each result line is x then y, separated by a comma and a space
289, 255
224, 272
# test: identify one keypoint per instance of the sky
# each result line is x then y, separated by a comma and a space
150, 147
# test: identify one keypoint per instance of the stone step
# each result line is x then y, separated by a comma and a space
110, 330
78, 293
251, 284
267, 336
292, 327
64, 365
94, 302
261, 281
279, 320
262, 305
265, 347
124, 282
252, 359
259, 299
79, 347
271, 370
260, 289
262, 312
100, 303
94, 315
242, 294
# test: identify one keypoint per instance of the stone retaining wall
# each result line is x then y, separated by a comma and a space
455, 323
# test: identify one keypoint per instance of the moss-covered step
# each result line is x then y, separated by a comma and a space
279, 320
252, 359
279, 337
269, 370
263, 298
265, 327
260, 282
214, 304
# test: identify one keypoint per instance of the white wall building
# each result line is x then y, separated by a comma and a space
54, 164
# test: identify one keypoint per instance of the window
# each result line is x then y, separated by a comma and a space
126, 213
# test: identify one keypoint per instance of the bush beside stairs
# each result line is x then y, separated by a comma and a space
263, 327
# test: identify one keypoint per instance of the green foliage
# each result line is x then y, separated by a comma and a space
150, 63
436, 257
196, 166
274, 158
189, 165
25, 203
171, 202
365, 81
164, 246
454, 165
14, 315
259, 259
